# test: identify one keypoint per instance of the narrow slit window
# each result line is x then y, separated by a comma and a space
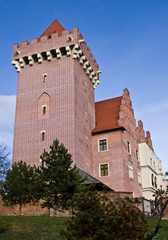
43, 136
44, 110
45, 78
129, 148
137, 158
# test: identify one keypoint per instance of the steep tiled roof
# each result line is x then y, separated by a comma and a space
107, 115
54, 27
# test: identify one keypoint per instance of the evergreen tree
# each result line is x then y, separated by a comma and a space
20, 185
96, 217
60, 180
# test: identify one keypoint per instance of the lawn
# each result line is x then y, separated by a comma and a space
32, 228
48, 228
163, 232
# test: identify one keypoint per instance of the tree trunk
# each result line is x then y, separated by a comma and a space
55, 210
49, 212
157, 227
20, 209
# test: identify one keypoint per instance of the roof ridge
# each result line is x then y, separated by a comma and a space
55, 26
109, 99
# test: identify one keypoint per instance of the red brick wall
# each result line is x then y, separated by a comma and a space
60, 86
117, 155
84, 118
69, 96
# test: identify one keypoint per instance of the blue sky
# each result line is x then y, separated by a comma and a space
128, 38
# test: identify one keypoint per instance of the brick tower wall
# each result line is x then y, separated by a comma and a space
67, 93
84, 118
28, 144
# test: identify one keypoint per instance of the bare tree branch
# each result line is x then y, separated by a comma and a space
4, 161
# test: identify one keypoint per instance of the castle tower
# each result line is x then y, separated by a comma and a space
57, 75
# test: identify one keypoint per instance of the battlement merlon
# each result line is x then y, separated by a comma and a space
56, 45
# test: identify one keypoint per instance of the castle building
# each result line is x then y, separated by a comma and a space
57, 75
151, 166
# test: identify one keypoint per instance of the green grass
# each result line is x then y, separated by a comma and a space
163, 232
32, 228
48, 228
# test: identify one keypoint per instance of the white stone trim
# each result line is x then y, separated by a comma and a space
22, 62
76, 53
40, 58
49, 56
59, 54
31, 60
68, 51
81, 40
17, 65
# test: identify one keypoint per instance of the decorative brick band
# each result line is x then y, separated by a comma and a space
73, 50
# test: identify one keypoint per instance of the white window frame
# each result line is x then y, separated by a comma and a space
99, 144
100, 169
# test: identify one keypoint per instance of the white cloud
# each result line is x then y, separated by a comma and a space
6, 138
7, 111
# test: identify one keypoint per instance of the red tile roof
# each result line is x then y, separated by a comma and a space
107, 115
54, 27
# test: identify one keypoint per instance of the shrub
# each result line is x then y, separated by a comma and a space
96, 217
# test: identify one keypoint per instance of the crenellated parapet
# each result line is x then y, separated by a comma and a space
46, 48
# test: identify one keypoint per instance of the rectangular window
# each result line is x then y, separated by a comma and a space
129, 147
139, 176
104, 170
131, 175
102, 145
